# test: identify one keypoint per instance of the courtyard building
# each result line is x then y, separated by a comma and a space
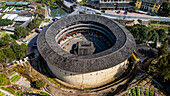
111, 4
148, 5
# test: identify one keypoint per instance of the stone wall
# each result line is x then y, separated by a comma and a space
89, 80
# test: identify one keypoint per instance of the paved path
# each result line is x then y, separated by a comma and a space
7, 93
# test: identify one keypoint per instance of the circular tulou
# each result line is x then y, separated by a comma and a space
86, 50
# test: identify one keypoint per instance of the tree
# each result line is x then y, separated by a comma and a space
21, 32
135, 8
164, 9
40, 83
164, 49
6, 40
140, 32
143, 34
17, 50
161, 69
9, 54
1, 56
154, 36
35, 23
41, 16
25, 49
5, 22
162, 34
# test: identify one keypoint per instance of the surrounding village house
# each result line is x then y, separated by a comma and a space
111, 4
11, 29
22, 19
10, 16
149, 5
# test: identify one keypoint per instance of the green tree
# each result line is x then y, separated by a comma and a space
17, 50
164, 49
6, 40
161, 69
154, 36
5, 22
41, 16
162, 34
21, 32
135, 8
1, 56
164, 9
9, 54
40, 83
25, 49
35, 23
140, 32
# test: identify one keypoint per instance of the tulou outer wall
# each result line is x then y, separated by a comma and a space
89, 80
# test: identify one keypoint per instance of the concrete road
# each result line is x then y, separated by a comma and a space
122, 17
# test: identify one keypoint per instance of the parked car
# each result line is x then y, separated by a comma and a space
103, 11
54, 19
25, 41
118, 12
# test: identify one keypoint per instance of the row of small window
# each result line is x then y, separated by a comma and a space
67, 73
111, 0
74, 74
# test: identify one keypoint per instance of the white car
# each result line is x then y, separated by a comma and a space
25, 41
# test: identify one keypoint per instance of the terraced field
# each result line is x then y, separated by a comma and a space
12, 73
13, 79
142, 91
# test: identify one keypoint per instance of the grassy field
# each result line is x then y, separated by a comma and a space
160, 26
13, 79
12, 73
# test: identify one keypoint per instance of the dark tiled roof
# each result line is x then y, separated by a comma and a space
153, 1
55, 55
